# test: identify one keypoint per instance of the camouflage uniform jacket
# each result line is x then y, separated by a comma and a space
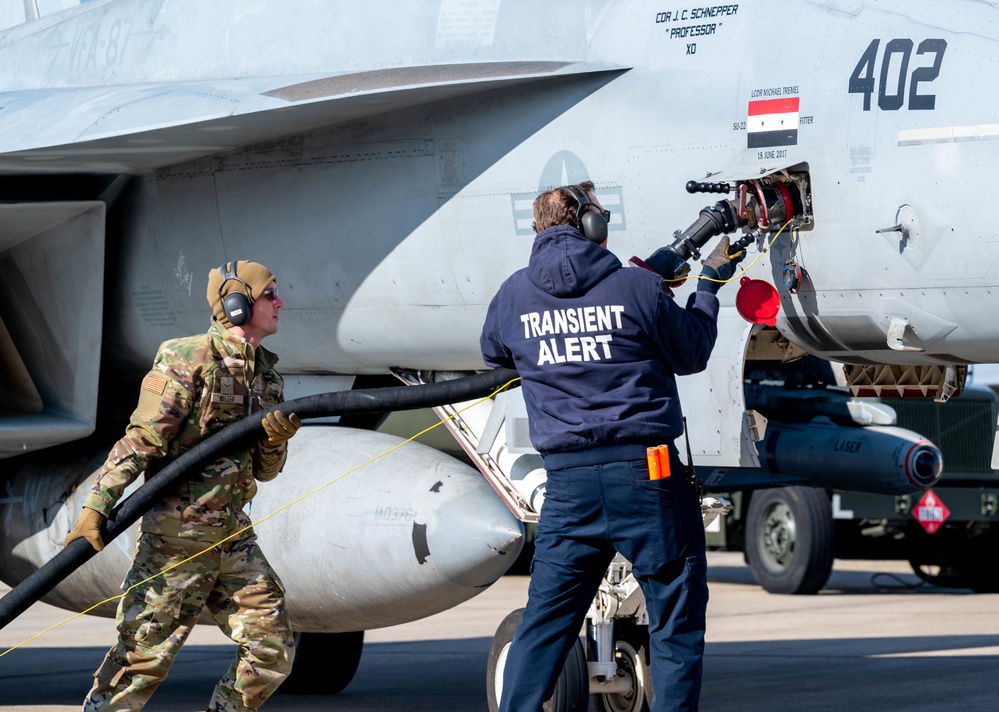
197, 386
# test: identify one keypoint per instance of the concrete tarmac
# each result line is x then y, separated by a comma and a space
873, 639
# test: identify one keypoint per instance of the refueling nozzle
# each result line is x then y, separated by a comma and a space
762, 205
670, 262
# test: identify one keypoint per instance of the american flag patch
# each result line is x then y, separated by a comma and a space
154, 383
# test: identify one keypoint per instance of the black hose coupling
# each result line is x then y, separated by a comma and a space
670, 262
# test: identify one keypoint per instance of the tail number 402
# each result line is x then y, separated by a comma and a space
896, 56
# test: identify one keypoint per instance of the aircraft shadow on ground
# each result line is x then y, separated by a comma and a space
814, 674
420, 670
885, 674
850, 583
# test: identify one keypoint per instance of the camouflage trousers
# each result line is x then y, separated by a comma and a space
234, 584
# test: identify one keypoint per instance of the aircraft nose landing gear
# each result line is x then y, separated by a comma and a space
630, 690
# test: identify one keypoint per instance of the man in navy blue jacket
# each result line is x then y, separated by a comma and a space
598, 347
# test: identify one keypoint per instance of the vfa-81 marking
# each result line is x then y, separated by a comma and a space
381, 158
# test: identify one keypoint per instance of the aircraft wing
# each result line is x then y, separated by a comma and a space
138, 128
134, 129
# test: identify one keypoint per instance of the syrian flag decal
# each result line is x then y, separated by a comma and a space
773, 122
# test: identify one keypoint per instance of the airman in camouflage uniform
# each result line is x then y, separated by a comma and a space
197, 386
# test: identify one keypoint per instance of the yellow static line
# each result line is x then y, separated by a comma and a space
745, 269
272, 514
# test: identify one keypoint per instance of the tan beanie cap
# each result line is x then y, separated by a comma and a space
255, 275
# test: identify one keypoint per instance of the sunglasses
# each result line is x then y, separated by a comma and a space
606, 214
271, 293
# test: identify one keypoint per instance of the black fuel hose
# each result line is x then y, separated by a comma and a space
372, 400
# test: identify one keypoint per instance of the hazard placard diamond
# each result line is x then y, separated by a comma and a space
931, 512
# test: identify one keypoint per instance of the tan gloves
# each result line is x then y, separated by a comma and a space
720, 257
719, 266
88, 526
280, 427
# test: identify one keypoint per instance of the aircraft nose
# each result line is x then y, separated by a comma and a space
924, 464
474, 539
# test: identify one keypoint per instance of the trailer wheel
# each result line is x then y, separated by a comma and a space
790, 540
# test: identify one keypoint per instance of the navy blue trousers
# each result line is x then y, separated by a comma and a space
588, 513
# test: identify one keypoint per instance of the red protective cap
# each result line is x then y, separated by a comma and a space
757, 301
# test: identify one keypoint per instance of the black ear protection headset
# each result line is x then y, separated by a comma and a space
237, 306
591, 224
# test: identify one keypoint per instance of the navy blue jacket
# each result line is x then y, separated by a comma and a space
597, 345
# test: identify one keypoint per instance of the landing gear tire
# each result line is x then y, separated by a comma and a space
325, 663
572, 688
631, 653
790, 539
